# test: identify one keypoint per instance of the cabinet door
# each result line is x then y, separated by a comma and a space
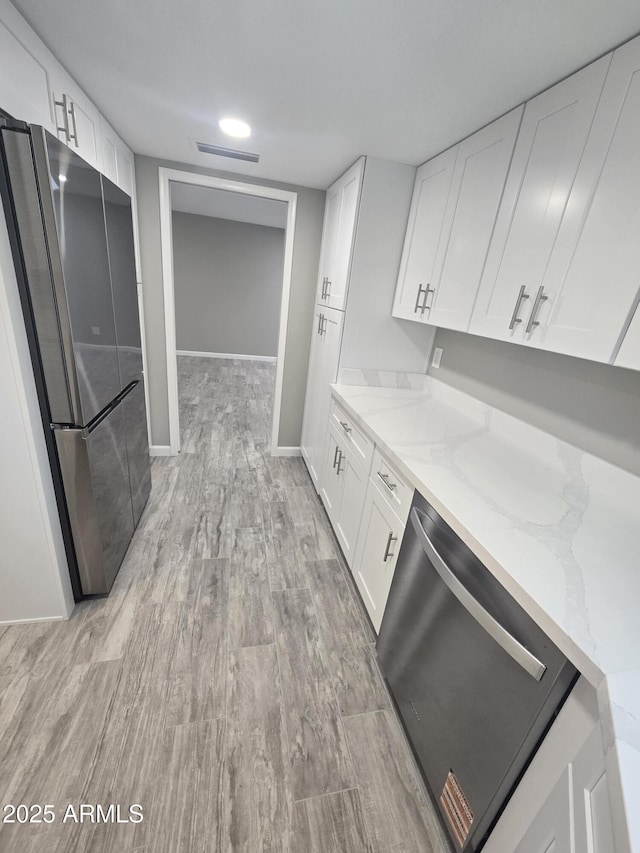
323, 368
592, 280
25, 84
376, 552
81, 117
629, 352
351, 184
593, 831
478, 181
332, 482
550, 831
311, 402
354, 489
329, 240
548, 152
423, 240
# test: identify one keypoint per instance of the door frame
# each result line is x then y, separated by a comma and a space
166, 176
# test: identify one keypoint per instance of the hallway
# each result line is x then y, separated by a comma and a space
228, 685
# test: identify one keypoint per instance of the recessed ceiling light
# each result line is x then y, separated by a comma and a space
235, 127
62, 178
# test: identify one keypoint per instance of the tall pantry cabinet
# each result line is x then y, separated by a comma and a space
365, 218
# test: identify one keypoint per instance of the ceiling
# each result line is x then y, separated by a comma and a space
206, 201
320, 81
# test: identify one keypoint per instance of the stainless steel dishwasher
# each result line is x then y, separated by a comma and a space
476, 682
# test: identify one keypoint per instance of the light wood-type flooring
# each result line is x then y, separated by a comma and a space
228, 684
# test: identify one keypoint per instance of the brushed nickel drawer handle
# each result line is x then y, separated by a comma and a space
522, 295
540, 298
63, 104
74, 135
387, 550
335, 456
340, 458
385, 480
345, 426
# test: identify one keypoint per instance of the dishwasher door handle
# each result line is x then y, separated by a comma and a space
507, 641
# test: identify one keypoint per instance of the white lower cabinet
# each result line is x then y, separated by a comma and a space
562, 803
323, 368
379, 541
344, 485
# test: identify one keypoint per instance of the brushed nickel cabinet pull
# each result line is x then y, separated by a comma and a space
387, 550
345, 426
335, 456
65, 118
385, 480
426, 307
540, 298
340, 458
72, 113
522, 295
421, 290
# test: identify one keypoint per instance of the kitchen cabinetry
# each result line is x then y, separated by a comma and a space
380, 535
344, 483
563, 797
77, 119
25, 81
592, 280
365, 217
323, 366
34, 87
455, 204
424, 235
338, 230
629, 352
548, 152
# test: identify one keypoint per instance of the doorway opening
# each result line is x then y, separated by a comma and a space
170, 181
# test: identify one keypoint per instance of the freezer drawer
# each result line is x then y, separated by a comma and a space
96, 484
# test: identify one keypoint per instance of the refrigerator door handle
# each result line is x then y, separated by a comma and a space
522, 656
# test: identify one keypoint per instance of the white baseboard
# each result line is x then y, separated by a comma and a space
228, 355
160, 450
286, 451
38, 619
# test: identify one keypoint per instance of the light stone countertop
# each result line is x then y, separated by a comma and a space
558, 527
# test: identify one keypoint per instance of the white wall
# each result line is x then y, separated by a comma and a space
34, 578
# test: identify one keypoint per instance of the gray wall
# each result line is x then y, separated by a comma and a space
593, 406
308, 230
228, 285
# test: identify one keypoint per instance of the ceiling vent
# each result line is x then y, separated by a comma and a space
207, 148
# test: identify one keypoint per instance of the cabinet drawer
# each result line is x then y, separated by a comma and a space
361, 445
394, 488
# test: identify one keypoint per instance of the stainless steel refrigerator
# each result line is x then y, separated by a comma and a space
72, 241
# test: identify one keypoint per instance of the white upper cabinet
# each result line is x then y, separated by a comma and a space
341, 211
25, 82
423, 238
77, 119
478, 181
329, 240
593, 277
548, 152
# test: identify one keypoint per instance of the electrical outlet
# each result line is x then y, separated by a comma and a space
437, 357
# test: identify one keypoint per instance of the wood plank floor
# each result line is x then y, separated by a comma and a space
228, 684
